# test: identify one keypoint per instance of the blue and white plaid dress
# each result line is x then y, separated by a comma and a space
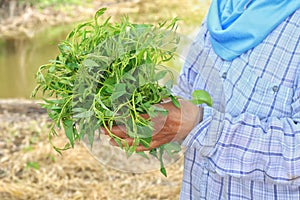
248, 145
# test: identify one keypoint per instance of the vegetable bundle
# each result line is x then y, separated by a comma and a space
109, 74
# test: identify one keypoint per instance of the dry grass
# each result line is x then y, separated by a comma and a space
34, 20
31, 169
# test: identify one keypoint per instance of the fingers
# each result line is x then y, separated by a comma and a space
119, 131
146, 116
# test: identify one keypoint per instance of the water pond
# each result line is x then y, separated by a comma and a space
20, 58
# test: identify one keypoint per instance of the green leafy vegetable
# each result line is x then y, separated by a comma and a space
108, 74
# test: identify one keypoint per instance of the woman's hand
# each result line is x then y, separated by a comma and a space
175, 126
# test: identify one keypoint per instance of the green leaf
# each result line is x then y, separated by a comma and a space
143, 154
160, 75
175, 101
163, 171
69, 130
128, 76
108, 113
130, 151
162, 111
118, 141
172, 148
89, 63
118, 91
146, 142
142, 80
144, 131
99, 13
200, 97
85, 114
153, 152
160, 157
169, 84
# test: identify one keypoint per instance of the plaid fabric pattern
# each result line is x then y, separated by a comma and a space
248, 145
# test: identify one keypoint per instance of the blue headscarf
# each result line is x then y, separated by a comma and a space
239, 25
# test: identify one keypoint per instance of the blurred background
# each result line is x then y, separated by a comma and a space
29, 168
